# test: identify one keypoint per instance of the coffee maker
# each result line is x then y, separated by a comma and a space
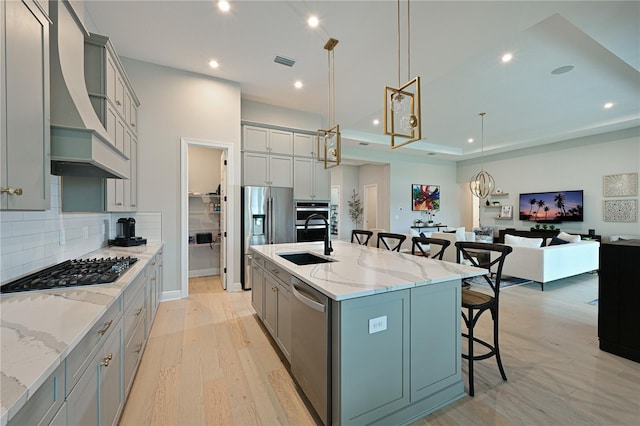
126, 233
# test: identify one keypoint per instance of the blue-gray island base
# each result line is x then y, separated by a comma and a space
394, 339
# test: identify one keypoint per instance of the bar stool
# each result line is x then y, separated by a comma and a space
361, 236
419, 242
476, 303
397, 239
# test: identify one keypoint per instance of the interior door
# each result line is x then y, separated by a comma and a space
370, 207
223, 219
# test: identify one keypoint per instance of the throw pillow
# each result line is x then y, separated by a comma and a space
555, 241
513, 240
569, 237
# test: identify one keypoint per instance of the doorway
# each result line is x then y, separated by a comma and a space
370, 206
227, 211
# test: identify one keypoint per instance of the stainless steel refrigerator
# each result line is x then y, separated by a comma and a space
267, 218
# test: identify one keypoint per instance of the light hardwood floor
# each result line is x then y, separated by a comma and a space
208, 362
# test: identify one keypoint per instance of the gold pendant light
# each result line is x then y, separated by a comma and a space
329, 149
482, 183
402, 117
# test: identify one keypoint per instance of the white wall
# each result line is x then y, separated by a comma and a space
177, 104
204, 169
345, 177
574, 164
270, 115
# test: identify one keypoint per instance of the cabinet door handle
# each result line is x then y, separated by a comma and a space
133, 205
11, 191
133, 124
118, 204
118, 103
105, 328
139, 311
138, 348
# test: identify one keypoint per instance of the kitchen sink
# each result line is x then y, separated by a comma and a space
304, 258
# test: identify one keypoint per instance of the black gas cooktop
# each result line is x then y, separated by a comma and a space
72, 273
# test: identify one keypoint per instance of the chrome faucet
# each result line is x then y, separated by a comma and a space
327, 243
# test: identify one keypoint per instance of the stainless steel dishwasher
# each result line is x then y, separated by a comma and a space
310, 345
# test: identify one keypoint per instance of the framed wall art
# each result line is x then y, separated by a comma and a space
506, 212
620, 210
620, 185
425, 197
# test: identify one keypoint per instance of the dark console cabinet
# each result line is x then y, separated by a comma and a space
619, 294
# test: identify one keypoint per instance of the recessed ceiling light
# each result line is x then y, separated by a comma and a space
507, 57
224, 6
214, 64
470, 140
313, 21
298, 84
376, 122
562, 70
608, 105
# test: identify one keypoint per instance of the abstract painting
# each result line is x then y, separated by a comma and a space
620, 210
620, 185
425, 197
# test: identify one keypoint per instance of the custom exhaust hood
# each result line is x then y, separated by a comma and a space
80, 145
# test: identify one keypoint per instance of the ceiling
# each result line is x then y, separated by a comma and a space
456, 49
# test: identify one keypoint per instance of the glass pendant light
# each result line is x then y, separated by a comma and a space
402, 118
482, 183
329, 149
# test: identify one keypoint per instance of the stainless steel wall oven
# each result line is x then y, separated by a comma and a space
316, 227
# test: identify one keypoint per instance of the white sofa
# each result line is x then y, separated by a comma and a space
549, 263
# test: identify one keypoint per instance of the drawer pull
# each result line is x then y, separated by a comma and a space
106, 360
11, 191
118, 103
139, 311
133, 124
105, 328
138, 348
118, 204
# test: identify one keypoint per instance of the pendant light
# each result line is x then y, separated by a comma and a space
329, 149
482, 183
402, 119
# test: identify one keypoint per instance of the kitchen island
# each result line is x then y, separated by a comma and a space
393, 329
69, 355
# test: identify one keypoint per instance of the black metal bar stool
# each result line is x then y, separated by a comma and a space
476, 303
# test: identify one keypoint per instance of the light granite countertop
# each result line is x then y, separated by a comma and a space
38, 329
358, 271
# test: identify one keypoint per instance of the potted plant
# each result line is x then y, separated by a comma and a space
355, 208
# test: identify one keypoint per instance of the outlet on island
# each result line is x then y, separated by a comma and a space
377, 324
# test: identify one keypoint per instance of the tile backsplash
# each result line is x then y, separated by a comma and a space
31, 240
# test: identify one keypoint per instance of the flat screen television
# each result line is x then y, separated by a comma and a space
557, 206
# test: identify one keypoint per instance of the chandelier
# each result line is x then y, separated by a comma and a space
482, 183
402, 119
329, 150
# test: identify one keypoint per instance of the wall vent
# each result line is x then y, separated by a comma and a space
284, 61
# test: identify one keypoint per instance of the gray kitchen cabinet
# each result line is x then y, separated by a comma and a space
155, 289
310, 181
97, 398
271, 304
25, 120
116, 105
271, 299
262, 139
283, 319
257, 286
267, 170
305, 145
45, 403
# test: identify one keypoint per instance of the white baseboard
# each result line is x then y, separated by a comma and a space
170, 295
234, 287
204, 272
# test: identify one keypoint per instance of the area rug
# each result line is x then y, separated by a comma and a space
505, 282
